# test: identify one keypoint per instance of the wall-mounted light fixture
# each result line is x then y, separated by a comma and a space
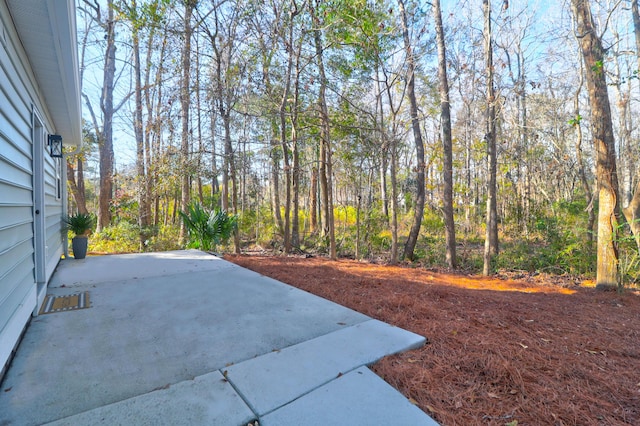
55, 146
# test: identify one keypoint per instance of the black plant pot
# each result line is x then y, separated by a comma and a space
79, 245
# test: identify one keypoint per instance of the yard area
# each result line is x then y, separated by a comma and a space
524, 351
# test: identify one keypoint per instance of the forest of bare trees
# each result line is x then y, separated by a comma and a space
475, 134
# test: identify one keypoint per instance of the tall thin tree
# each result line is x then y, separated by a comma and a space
491, 237
326, 165
412, 239
632, 210
445, 117
602, 134
185, 102
104, 132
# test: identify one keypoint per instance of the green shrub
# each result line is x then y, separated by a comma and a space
164, 239
432, 222
628, 261
120, 238
208, 229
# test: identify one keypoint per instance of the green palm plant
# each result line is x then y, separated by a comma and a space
80, 224
195, 220
208, 229
222, 226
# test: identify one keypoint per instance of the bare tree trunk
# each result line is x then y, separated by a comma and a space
143, 196
469, 194
325, 144
295, 226
602, 132
393, 148
388, 148
445, 113
185, 86
412, 239
524, 207
224, 202
232, 174
392, 142
287, 179
491, 238
152, 138
275, 185
201, 148
313, 201
636, 28
274, 153
384, 166
108, 110
295, 183
358, 208
384, 147
588, 193
282, 115
223, 111
632, 211
324, 191
632, 214
214, 159
244, 170
75, 177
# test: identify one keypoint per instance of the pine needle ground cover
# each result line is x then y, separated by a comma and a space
499, 352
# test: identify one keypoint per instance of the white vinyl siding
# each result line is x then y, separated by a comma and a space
53, 214
17, 274
19, 101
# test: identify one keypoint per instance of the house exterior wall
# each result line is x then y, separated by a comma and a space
30, 191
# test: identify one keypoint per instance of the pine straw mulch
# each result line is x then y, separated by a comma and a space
499, 352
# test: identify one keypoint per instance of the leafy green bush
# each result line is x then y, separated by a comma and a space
381, 241
432, 222
628, 261
521, 255
120, 238
164, 239
345, 215
470, 256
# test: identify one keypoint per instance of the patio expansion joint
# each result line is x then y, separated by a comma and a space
259, 415
239, 392
172, 399
271, 381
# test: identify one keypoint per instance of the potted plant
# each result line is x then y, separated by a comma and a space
80, 224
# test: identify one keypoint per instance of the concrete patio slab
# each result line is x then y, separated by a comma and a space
277, 378
99, 269
205, 400
161, 329
359, 398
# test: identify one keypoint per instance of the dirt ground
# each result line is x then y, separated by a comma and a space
499, 352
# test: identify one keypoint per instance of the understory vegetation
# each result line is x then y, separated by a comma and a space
558, 243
